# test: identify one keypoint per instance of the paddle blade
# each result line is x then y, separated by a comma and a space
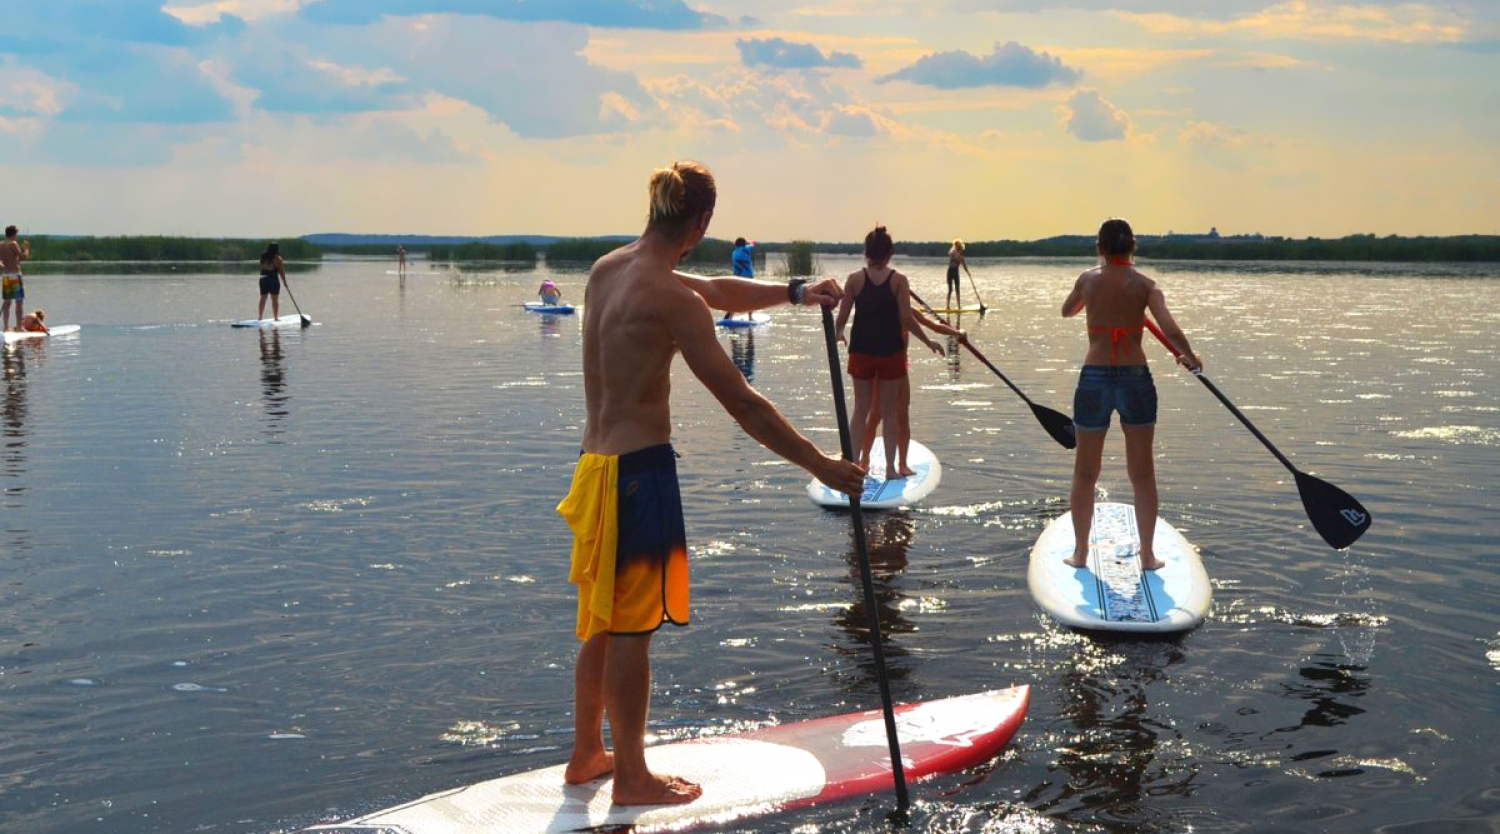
307, 321
1335, 514
1057, 424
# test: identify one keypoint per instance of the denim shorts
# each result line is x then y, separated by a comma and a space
1103, 389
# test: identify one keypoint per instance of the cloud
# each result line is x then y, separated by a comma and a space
1008, 65
1088, 116
626, 14
1211, 135
1301, 20
777, 52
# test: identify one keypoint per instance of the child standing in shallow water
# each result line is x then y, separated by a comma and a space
1115, 377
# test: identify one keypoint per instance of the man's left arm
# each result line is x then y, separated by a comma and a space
746, 294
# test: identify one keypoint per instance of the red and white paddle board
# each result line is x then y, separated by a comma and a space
764, 771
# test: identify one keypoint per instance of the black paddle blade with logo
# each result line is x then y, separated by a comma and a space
1057, 424
1335, 514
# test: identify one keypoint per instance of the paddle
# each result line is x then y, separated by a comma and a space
1057, 424
1335, 514
975, 287
306, 321
858, 520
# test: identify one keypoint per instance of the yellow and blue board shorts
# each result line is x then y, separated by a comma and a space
629, 542
11, 287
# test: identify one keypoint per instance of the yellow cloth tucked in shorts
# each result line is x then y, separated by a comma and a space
629, 543
592, 509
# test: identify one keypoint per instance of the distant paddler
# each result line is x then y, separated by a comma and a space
956, 259
549, 293
1115, 377
12, 289
629, 556
742, 261
401, 260
272, 276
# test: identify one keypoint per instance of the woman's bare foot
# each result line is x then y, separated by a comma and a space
893, 474
589, 767
1078, 560
906, 471
1150, 562
657, 790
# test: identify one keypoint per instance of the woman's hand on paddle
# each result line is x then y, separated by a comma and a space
826, 292
845, 476
1191, 362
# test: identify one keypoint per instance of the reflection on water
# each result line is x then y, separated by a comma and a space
889, 538
273, 383
15, 357
742, 351
1118, 751
1331, 687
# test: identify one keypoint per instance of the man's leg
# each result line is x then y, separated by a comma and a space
590, 759
5, 316
627, 696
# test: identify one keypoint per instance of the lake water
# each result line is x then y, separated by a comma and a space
252, 581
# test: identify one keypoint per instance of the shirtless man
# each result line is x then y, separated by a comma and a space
629, 550
1115, 378
12, 253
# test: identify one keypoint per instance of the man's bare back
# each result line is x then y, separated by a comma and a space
628, 351
11, 255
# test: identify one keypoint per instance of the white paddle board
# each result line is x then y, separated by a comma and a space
975, 308
12, 336
744, 320
764, 771
293, 320
554, 309
882, 494
1113, 593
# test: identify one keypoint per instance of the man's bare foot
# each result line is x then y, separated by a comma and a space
657, 790
906, 471
893, 474
1078, 560
1150, 562
589, 768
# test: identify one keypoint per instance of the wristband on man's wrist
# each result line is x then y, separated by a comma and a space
796, 290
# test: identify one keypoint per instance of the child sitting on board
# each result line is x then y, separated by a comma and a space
550, 294
34, 322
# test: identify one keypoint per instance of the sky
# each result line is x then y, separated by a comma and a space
974, 119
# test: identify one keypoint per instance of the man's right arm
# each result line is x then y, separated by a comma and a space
692, 328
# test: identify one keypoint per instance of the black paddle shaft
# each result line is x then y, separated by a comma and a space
1057, 424
306, 322
858, 520
1337, 516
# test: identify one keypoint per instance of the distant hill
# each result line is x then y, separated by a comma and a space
335, 240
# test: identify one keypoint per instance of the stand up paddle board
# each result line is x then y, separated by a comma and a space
1113, 593
13, 336
881, 494
553, 309
293, 320
742, 320
764, 771
974, 308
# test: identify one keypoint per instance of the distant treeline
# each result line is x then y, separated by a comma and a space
1254, 248
160, 248
590, 249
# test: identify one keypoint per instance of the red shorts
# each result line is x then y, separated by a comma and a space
865, 366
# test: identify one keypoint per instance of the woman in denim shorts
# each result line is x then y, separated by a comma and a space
1115, 377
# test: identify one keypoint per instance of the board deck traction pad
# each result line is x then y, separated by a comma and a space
1115, 561
772, 769
879, 492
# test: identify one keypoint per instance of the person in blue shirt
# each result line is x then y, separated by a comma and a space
743, 261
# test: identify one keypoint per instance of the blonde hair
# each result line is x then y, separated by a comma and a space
41, 315
958, 244
681, 191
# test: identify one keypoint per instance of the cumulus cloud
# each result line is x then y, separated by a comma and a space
627, 14
1008, 65
778, 52
1088, 116
1299, 19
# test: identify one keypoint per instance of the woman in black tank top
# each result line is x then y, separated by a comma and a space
272, 273
881, 300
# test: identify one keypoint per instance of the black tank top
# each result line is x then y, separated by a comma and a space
267, 268
877, 320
